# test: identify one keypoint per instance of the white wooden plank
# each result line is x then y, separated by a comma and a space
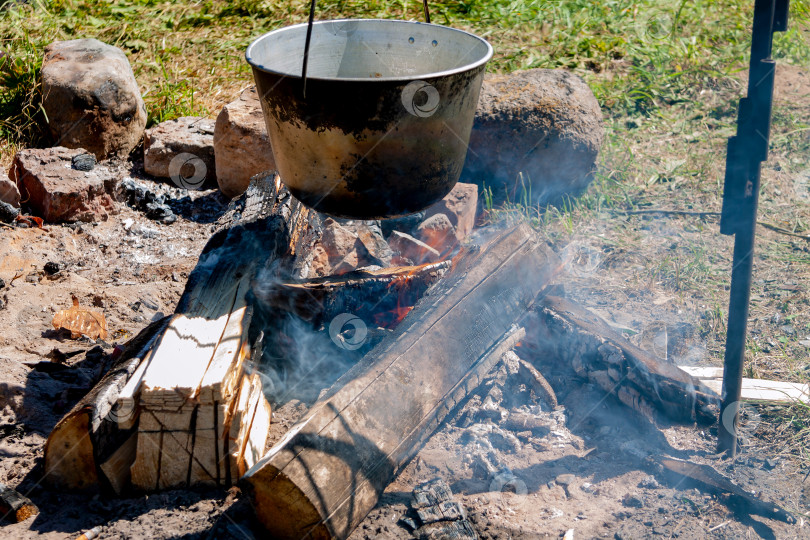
225, 358
762, 391
182, 357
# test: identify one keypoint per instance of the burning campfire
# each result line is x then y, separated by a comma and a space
326, 371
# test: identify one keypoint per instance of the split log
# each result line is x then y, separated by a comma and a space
89, 433
559, 328
193, 382
177, 384
324, 476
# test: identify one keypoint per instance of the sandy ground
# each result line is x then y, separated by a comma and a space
133, 269
583, 467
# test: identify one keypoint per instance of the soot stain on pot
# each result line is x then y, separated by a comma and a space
425, 182
355, 107
347, 106
412, 160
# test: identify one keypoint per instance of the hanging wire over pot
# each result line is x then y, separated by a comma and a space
308, 39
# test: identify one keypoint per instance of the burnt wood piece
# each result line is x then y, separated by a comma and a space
96, 442
447, 530
685, 474
384, 295
324, 476
431, 493
14, 506
597, 353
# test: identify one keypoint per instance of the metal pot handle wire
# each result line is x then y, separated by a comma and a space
309, 38
306, 44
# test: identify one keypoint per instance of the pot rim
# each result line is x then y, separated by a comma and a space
430, 75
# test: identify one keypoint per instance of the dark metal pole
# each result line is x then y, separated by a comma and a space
735, 336
746, 152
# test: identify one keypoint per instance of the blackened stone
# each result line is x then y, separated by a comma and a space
632, 501
8, 213
83, 162
160, 212
51, 268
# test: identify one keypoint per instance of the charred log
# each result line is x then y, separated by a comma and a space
322, 479
559, 328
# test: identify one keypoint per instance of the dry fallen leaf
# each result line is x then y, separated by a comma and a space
31, 221
80, 320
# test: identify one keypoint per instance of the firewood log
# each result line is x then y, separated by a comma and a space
89, 433
321, 479
395, 291
565, 330
14, 506
176, 387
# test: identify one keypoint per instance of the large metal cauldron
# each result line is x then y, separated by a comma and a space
384, 126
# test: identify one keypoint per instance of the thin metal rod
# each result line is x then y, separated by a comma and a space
739, 298
427, 14
746, 152
306, 44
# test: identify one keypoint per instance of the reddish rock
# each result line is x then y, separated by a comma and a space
8, 191
409, 250
91, 98
349, 245
319, 265
241, 144
376, 249
182, 150
437, 232
58, 192
459, 206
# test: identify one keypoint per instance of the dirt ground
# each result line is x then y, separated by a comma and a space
583, 466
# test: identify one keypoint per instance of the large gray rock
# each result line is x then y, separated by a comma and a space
59, 187
183, 150
544, 123
91, 98
241, 144
9, 193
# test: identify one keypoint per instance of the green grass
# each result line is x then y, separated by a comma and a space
188, 57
